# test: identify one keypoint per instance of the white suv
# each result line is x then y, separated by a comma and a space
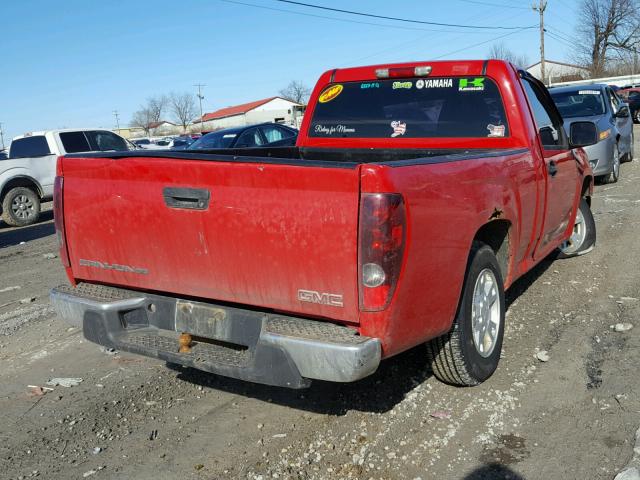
26, 177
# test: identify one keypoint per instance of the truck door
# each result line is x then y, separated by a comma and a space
562, 173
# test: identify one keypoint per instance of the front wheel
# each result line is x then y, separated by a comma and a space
614, 175
20, 207
583, 237
470, 352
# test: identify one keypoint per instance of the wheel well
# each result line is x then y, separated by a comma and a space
495, 234
25, 182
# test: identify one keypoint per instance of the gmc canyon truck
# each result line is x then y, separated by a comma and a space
416, 194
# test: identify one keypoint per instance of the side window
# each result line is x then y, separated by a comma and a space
102, 141
36, 146
249, 138
74, 142
275, 134
551, 133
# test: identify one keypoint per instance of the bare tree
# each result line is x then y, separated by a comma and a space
500, 51
150, 113
183, 108
296, 91
605, 29
157, 106
142, 118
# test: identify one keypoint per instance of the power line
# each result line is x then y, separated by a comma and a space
478, 44
558, 39
397, 19
488, 4
348, 20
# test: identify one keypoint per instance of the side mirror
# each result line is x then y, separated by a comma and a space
623, 112
583, 134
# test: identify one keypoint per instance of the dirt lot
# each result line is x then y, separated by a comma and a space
572, 417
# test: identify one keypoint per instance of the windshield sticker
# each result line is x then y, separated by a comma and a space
397, 85
331, 129
496, 130
435, 83
399, 128
471, 85
229, 135
330, 93
370, 85
588, 92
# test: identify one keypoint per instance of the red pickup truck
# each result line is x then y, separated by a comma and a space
415, 195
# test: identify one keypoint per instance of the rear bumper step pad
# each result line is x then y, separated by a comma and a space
249, 345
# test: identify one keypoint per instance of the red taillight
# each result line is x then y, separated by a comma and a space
58, 218
382, 237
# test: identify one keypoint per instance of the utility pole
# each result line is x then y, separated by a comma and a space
200, 97
540, 9
115, 114
2, 135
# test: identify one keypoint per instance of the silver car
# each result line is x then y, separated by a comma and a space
599, 103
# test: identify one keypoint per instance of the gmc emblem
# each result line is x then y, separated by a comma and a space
331, 299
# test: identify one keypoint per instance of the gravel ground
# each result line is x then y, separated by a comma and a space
573, 416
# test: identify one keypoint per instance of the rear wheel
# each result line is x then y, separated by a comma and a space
470, 352
636, 116
583, 237
20, 207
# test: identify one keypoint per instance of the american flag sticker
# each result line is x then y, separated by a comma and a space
399, 128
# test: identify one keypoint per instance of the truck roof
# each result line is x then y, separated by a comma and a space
57, 130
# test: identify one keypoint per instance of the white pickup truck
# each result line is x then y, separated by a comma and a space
26, 177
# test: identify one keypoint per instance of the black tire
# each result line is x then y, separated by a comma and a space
454, 357
20, 207
614, 175
579, 245
636, 116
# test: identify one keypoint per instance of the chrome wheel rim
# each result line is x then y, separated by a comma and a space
577, 237
485, 313
22, 207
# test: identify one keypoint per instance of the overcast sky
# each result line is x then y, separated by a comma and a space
70, 63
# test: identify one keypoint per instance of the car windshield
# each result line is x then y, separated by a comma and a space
579, 103
411, 108
213, 140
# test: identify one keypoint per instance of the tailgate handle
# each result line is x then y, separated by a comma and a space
188, 198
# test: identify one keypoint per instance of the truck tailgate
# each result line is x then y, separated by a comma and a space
277, 236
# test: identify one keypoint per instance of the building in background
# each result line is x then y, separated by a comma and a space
558, 71
272, 109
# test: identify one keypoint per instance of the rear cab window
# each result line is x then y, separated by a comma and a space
35, 146
442, 107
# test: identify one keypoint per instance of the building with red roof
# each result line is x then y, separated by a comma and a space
272, 109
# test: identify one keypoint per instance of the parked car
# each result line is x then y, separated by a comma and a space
632, 97
600, 104
260, 135
141, 142
180, 143
417, 193
26, 178
3, 155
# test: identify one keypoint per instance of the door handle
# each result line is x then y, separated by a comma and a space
186, 198
552, 168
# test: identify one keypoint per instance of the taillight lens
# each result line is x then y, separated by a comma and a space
58, 218
382, 237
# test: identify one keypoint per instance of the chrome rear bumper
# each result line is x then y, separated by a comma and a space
255, 346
